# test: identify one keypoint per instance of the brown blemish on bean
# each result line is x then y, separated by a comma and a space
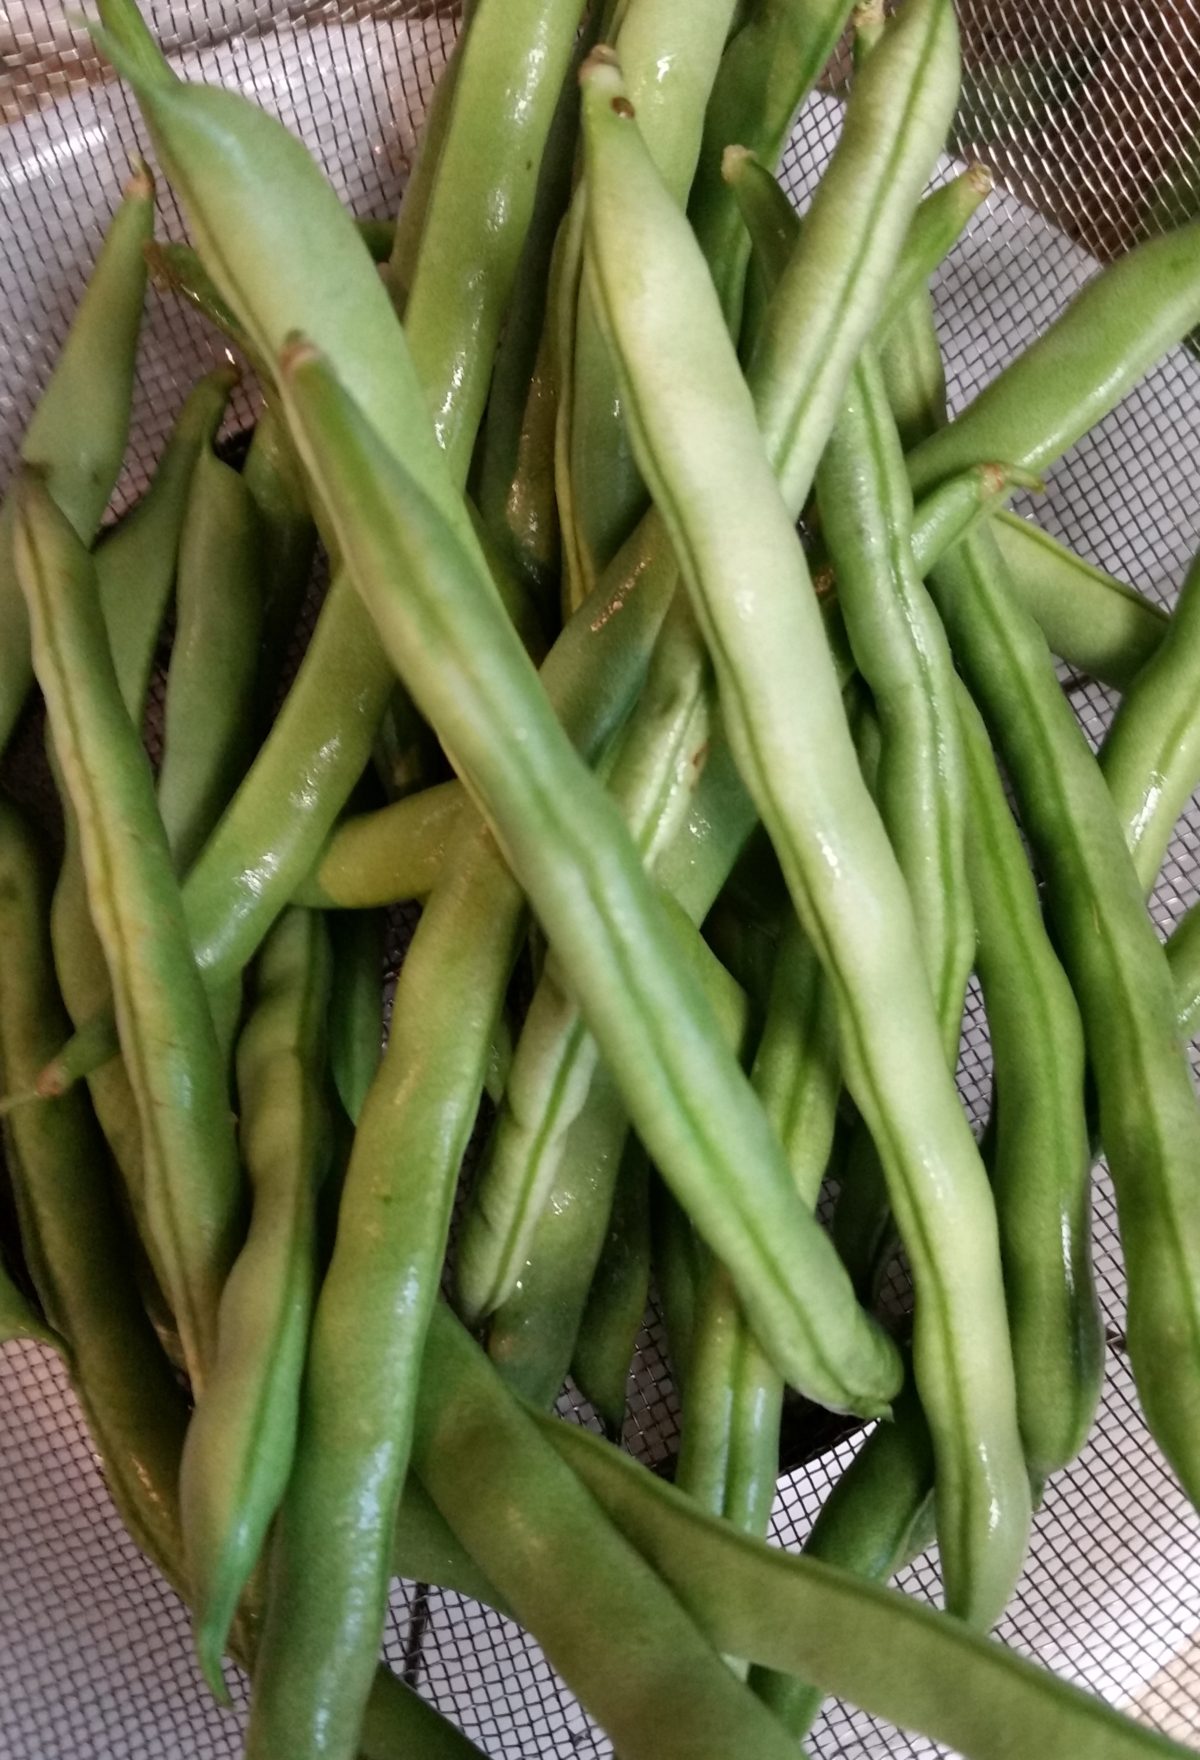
623, 107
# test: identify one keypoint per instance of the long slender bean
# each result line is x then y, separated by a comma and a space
192, 1186
620, 1289
747, 573
241, 1440
1149, 1119
356, 1007
209, 711
273, 477
1183, 955
78, 430
879, 1650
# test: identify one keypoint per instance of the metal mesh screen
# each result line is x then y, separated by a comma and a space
1089, 111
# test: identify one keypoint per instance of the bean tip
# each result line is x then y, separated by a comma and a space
980, 180
140, 186
733, 159
297, 352
601, 68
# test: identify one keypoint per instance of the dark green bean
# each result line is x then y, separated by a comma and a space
275, 481
1183, 953
209, 711
192, 1185
1149, 1119
616, 1303
356, 1006
78, 430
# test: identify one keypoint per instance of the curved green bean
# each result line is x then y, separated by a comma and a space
1040, 1155
209, 710
879, 1650
691, 416
78, 430
1151, 755
241, 1440
192, 1185
1149, 1120
1110, 335
385, 856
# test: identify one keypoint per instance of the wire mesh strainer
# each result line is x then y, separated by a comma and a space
1089, 111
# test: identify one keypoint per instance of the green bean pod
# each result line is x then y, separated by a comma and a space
567, 844
884, 1652
770, 66
670, 55
275, 482
620, 1289
692, 419
1040, 1154
662, 750
655, 1685
192, 1183
241, 1440
385, 856
1183, 955
328, 1605
1095, 623
405, 243
1151, 754
1110, 335
78, 430
1149, 1121
209, 711
71, 1226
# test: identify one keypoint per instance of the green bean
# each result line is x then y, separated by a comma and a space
414, 1130
877, 1517
767, 71
879, 1650
356, 1007
1149, 1120
1183, 955
691, 418
19, 1316
176, 268
662, 747
670, 55
472, 237
208, 715
401, 256
1040, 1155
78, 430
568, 846
620, 1289
275, 482
516, 595
72, 1229
192, 1189
241, 1439
655, 1686
1151, 754
385, 856
1110, 335
1093, 622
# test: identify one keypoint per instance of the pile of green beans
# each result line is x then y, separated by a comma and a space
677, 640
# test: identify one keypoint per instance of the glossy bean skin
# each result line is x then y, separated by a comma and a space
415, 1124
1095, 623
192, 1182
212, 679
656, 1686
78, 430
71, 1227
661, 753
747, 574
620, 1289
1109, 336
287, 543
670, 55
1151, 754
557, 825
356, 1006
770, 66
241, 1440
877, 1649
1149, 1120
1040, 1155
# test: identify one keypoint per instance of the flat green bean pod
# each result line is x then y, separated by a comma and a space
242, 1437
879, 1650
1149, 1120
697, 437
209, 710
192, 1184
1110, 335
78, 430
655, 1685
71, 1226
1151, 754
